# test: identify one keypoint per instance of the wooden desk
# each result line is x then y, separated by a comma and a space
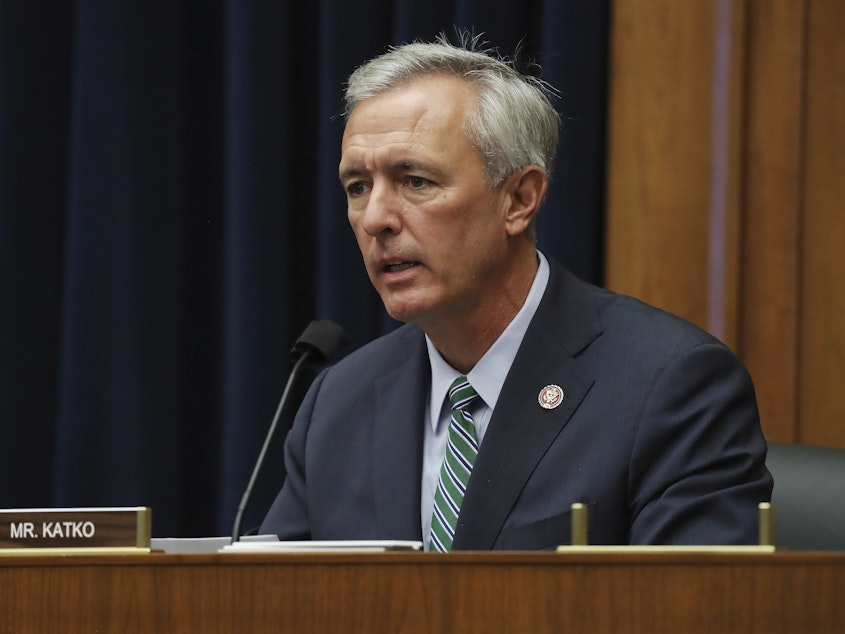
411, 592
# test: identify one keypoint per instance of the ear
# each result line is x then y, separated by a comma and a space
526, 189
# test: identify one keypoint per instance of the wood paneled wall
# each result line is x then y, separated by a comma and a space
726, 188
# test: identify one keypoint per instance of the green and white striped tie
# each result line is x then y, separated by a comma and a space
457, 465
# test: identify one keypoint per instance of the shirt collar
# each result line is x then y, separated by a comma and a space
488, 375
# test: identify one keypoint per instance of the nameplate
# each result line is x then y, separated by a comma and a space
75, 529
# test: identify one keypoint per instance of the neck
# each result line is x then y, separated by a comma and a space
463, 341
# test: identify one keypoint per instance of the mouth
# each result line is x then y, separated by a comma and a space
395, 267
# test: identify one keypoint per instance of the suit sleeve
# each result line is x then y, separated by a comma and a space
697, 472
288, 516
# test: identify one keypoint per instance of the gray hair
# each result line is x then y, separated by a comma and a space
514, 124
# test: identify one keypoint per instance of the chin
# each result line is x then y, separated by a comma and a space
412, 306
405, 316
402, 311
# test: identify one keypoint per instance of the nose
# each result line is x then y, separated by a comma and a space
382, 212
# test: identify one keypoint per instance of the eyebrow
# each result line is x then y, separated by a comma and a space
409, 166
349, 172
399, 166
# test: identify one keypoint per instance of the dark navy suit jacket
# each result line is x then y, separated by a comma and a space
658, 434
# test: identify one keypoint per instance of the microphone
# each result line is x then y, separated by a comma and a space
316, 345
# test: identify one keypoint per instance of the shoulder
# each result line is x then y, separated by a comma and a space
380, 356
612, 324
631, 317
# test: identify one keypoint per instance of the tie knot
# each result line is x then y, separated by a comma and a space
461, 393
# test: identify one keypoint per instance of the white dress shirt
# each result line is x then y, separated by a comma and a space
487, 377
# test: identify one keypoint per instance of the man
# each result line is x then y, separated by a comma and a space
567, 393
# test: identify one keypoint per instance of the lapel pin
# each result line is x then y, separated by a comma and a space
550, 397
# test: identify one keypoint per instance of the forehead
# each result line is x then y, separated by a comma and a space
426, 108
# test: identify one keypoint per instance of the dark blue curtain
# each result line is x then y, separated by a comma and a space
170, 221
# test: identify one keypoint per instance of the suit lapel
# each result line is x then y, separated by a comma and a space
520, 430
399, 410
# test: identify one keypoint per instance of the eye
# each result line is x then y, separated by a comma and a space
356, 189
417, 182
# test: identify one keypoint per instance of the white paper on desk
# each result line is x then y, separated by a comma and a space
198, 545
346, 546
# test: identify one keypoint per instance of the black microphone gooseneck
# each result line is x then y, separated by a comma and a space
317, 344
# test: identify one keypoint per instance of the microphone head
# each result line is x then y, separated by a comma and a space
320, 340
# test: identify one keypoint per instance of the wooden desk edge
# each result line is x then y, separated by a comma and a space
504, 558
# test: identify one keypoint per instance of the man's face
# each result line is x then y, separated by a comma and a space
431, 232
